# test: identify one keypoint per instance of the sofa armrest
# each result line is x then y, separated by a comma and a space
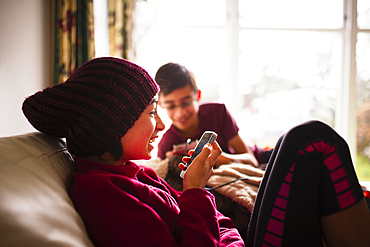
35, 209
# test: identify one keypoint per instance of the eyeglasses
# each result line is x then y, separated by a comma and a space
183, 105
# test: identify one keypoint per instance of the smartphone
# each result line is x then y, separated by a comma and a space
207, 137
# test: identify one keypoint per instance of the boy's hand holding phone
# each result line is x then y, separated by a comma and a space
198, 166
207, 137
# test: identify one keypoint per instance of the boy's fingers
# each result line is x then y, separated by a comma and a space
216, 152
185, 159
216, 146
182, 166
205, 153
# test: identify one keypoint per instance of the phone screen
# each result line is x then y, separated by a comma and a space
207, 137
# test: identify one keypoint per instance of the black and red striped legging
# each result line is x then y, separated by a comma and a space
310, 174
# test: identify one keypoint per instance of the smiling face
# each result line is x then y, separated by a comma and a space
137, 142
182, 107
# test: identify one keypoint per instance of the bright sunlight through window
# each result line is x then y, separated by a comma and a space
274, 63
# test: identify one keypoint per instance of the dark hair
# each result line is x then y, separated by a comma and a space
116, 151
172, 76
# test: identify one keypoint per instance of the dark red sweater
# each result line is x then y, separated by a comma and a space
130, 205
212, 116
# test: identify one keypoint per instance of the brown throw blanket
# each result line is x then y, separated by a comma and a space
243, 191
234, 200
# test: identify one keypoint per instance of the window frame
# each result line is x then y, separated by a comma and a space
345, 117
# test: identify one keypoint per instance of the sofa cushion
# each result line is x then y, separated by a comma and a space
35, 209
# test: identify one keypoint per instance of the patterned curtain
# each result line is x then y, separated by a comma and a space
120, 28
73, 37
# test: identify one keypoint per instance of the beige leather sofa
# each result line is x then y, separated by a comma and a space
35, 210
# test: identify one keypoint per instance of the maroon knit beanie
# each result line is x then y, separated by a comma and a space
95, 107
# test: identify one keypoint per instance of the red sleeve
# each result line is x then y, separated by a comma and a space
114, 217
230, 128
121, 211
216, 117
202, 225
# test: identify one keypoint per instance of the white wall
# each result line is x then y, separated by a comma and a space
24, 59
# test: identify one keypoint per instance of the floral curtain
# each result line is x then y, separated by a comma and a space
120, 28
73, 37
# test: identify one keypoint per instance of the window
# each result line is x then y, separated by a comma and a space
274, 63
362, 80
